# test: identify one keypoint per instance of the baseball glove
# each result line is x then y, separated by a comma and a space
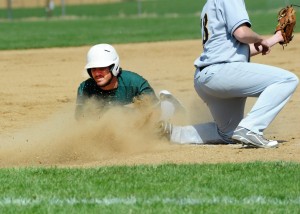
286, 24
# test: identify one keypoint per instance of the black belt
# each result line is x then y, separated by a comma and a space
201, 68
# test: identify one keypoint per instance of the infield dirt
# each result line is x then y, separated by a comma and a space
38, 92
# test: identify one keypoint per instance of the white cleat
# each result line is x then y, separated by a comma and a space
247, 137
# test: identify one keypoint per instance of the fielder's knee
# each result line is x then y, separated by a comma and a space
294, 80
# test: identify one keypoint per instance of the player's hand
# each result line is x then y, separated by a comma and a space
263, 47
266, 48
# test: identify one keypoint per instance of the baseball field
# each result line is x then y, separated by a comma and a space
51, 163
38, 98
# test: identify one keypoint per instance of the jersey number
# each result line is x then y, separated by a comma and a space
205, 30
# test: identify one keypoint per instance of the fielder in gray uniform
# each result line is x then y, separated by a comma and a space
225, 77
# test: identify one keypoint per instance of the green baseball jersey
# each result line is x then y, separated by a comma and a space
130, 85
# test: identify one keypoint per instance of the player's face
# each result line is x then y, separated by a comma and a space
102, 76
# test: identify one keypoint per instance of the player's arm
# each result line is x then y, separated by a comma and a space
246, 35
271, 41
257, 43
80, 101
144, 89
145, 93
79, 107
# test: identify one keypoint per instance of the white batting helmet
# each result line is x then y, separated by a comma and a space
103, 55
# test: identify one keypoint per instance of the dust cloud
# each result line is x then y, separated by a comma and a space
62, 140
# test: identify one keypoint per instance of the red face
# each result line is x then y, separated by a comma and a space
102, 76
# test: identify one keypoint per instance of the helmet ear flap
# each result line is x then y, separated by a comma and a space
89, 71
114, 69
111, 67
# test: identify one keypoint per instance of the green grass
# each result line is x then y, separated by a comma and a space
127, 8
160, 20
90, 31
197, 188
